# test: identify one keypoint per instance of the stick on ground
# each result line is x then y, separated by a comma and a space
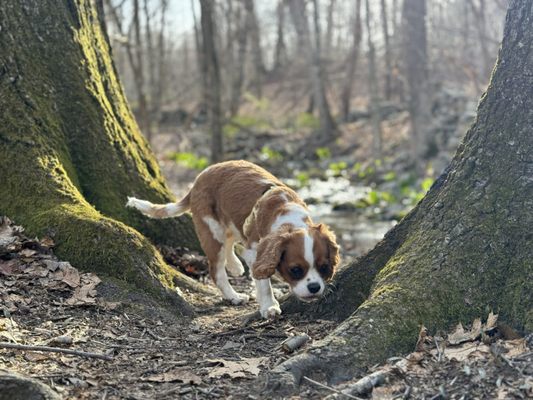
25, 347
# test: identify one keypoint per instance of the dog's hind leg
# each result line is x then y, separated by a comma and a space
212, 241
233, 264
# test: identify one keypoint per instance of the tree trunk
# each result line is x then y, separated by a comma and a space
373, 89
312, 55
481, 27
346, 93
416, 72
70, 150
387, 55
280, 54
463, 251
140, 84
252, 27
238, 72
329, 30
212, 88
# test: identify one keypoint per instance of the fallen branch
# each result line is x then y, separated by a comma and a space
25, 347
337, 392
294, 342
363, 385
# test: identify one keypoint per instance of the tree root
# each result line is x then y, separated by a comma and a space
18, 387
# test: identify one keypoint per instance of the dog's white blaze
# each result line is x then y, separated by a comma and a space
295, 217
308, 250
216, 229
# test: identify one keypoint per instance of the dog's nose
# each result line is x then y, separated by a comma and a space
313, 287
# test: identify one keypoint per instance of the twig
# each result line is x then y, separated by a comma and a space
241, 329
439, 352
54, 350
294, 343
330, 388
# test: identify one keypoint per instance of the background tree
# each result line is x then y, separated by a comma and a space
346, 92
312, 56
71, 151
463, 251
416, 72
212, 90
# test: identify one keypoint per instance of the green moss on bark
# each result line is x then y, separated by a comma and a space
70, 150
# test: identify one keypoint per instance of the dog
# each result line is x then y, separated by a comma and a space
238, 201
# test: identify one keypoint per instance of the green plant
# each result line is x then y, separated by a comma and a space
306, 120
190, 160
269, 154
323, 153
303, 178
338, 168
238, 122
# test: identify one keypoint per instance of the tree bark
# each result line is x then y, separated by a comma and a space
346, 93
463, 251
71, 151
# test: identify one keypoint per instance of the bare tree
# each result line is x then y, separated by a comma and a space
479, 13
135, 58
416, 72
387, 55
280, 54
329, 29
373, 89
346, 92
312, 55
237, 79
212, 78
252, 27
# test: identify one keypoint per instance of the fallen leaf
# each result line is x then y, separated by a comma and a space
85, 294
180, 374
237, 369
68, 274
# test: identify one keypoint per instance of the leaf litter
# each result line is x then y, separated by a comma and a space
45, 301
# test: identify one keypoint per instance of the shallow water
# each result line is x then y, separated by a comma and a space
356, 232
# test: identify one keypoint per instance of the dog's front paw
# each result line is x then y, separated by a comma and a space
240, 298
271, 311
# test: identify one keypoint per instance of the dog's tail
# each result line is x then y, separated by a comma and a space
161, 210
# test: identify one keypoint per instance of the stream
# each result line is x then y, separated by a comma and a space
356, 232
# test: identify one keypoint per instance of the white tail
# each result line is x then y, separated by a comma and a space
159, 210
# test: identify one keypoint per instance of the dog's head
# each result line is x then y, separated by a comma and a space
306, 258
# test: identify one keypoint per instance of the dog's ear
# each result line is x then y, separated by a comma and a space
333, 247
269, 253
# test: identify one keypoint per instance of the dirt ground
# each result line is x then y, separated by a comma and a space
220, 353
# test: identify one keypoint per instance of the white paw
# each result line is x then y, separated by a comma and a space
270, 312
240, 298
235, 268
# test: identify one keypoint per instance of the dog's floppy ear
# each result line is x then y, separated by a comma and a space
269, 252
333, 247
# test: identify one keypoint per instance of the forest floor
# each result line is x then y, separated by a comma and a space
221, 353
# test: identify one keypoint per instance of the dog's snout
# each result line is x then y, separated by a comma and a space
313, 287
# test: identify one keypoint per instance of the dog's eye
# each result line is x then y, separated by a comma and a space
296, 272
323, 269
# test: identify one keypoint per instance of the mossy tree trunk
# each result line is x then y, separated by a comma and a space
465, 250
70, 150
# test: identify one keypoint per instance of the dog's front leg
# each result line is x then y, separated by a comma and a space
268, 305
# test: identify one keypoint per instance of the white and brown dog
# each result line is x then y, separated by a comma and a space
237, 201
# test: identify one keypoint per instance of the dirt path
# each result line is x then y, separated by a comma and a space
218, 354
